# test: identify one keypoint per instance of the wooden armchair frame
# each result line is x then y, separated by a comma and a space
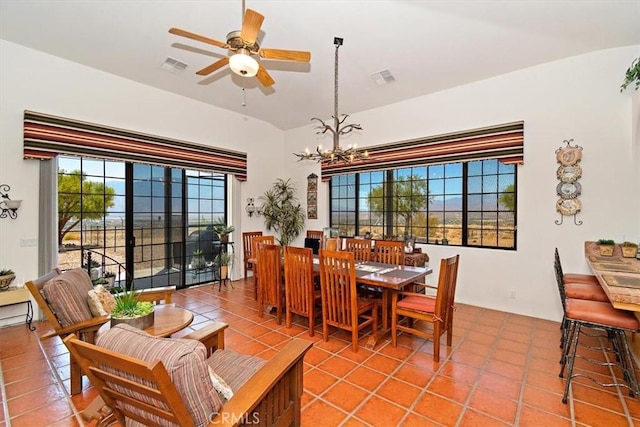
270, 398
86, 329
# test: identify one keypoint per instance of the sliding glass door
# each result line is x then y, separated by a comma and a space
152, 219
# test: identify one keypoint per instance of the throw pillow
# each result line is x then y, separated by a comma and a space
221, 386
106, 298
95, 305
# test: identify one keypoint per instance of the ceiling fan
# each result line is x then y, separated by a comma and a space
243, 45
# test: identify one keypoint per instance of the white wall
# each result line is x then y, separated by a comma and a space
575, 98
35, 81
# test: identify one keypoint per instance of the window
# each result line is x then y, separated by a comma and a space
465, 204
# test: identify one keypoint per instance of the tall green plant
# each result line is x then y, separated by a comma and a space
632, 75
282, 211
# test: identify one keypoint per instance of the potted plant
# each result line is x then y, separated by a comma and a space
223, 262
128, 309
629, 249
282, 211
222, 229
6, 277
198, 262
632, 75
606, 247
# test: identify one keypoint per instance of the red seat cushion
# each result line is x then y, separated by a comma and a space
418, 303
580, 278
602, 313
585, 291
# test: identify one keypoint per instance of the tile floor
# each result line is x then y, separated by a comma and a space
501, 371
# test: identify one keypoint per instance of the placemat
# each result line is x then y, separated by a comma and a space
612, 266
400, 274
622, 281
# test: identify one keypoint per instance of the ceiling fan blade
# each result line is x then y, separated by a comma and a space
251, 26
194, 36
286, 55
213, 67
264, 77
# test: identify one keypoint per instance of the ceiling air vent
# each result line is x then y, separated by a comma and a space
383, 77
173, 65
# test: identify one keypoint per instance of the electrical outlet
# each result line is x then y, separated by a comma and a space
28, 242
512, 294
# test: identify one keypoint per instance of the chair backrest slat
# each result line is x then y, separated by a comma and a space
389, 252
361, 248
298, 278
247, 237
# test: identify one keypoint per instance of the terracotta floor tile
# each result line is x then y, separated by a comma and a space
317, 381
598, 416
505, 369
438, 409
447, 387
399, 392
415, 420
511, 357
597, 396
383, 364
500, 385
321, 414
413, 375
545, 400
337, 366
379, 412
460, 372
534, 417
345, 396
493, 405
316, 356
365, 378
472, 418
53, 411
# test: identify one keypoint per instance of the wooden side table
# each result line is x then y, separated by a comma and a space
18, 295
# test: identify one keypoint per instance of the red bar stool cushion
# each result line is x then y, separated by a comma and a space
585, 291
602, 313
580, 278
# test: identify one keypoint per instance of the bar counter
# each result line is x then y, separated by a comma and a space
618, 276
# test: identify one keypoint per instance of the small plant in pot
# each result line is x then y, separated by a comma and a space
629, 249
223, 261
198, 262
222, 229
128, 309
606, 247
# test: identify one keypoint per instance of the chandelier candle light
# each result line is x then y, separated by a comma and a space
337, 154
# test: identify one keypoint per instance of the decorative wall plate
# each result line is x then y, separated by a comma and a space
569, 173
568, 206
569, 156
569, 190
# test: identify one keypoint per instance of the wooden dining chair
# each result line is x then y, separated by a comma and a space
341, 306
255, 241
361, 248
301, 297
246, 249
437, 309
389, 252
270, 290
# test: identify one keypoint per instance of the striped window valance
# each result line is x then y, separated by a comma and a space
46, 136
504, 142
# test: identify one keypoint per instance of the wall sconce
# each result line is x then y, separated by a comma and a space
252, 209
9, 207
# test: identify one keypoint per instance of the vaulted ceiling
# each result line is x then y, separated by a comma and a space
427, 46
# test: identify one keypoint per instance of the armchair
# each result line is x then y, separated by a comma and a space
164, 381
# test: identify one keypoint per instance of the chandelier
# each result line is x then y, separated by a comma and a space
337, 154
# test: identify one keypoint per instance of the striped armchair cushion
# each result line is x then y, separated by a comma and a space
67, 296
183, 359
234, 368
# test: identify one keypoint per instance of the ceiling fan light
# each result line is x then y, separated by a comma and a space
243, 64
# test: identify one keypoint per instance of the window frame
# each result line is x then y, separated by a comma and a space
501, 176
